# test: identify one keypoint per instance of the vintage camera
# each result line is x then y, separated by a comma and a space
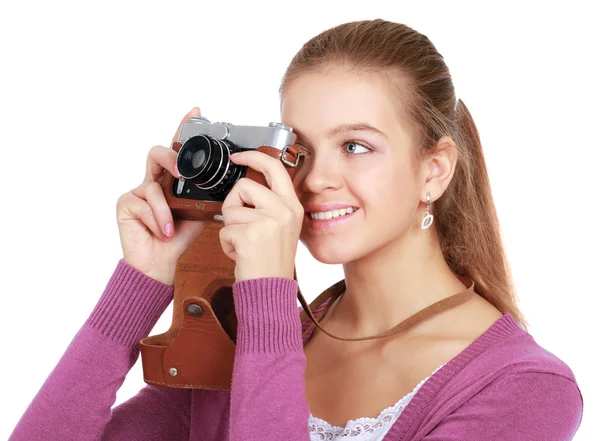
203, 160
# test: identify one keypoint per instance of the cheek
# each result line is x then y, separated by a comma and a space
383, 181
391, 196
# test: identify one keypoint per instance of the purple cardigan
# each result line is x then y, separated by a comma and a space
504, 386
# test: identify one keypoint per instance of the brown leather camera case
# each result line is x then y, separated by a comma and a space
198, 349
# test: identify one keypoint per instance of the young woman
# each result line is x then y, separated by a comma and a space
395, 188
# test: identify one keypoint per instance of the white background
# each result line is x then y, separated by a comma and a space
87, 88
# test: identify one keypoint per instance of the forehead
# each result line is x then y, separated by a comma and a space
319, 100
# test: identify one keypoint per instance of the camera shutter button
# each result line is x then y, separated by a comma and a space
200, 119
280, 126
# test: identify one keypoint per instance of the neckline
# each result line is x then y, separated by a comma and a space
361, 420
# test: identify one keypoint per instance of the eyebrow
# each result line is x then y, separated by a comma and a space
343, 128
357, 127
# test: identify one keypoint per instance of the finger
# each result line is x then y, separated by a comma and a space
135, 207
227, 237
239, 215
159, 159
194, 112
275, 173
153, 193
247, 191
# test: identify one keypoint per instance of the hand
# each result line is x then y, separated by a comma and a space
143, 217
262, 240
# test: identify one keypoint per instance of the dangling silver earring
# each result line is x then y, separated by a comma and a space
427, 219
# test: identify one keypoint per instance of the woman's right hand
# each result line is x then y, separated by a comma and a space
152, 241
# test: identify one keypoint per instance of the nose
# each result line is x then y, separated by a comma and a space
319, 173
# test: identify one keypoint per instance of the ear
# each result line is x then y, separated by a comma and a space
437, 168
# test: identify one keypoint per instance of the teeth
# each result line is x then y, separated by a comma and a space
323, 215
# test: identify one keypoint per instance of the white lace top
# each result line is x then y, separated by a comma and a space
362, 429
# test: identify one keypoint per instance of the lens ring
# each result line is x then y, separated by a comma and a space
215, 145
224, 149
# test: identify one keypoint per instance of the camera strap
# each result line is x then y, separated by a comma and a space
331, 294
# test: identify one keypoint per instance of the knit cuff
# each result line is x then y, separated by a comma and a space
267, 313
130, 305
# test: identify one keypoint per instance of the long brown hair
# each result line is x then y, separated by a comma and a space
465, 215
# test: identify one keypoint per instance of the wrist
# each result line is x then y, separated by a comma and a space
157, 276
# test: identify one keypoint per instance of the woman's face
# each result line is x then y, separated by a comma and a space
360, 157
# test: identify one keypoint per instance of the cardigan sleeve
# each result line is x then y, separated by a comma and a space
75, 401
268, 401
525, 406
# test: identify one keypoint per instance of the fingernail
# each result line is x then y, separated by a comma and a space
176, 171
169, 229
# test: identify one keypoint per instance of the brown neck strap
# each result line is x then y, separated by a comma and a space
338, 289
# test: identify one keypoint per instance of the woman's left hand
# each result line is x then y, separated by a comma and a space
262, 240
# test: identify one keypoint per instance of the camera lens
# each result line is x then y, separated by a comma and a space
205, 161
194, 157
198, 159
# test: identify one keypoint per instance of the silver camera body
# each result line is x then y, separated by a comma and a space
204, 161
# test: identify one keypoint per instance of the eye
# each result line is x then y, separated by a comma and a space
351, 146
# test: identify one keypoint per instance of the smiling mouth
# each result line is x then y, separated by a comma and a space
333, 214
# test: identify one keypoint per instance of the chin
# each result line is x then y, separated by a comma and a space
329, 253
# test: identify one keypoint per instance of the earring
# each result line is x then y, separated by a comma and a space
427, 219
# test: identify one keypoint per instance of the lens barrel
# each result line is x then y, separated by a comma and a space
205, 161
